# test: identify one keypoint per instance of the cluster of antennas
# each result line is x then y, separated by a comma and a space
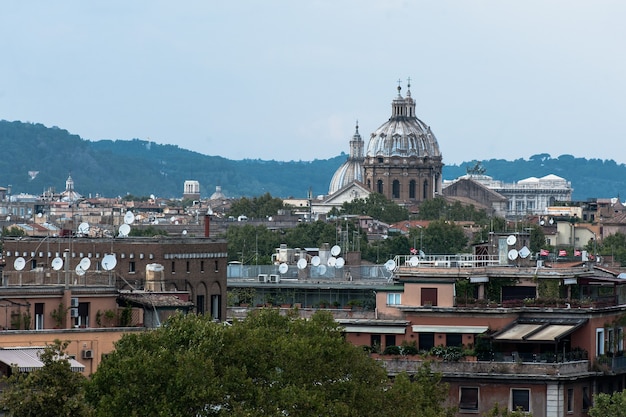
334, 261
513, 254
108, 263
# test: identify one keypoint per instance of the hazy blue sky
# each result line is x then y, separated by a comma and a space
286, 80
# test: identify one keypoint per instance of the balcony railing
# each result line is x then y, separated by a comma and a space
57, 278
556, 369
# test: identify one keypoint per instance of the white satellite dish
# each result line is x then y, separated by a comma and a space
83, 228
322, 269
511, 240
331, 261
129, 217
184, 232
542, 222
551, 221
316, 260
85, 263
79, 271
414, 261
283, 268
524, 252
301, 263
108, 262
339, 263
390, 265
19, 263
57, 263
513, 254
124, 230
40, 215
335, 250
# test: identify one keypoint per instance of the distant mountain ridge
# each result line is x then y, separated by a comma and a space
118, 167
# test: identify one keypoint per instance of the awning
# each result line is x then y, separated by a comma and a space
375, 329
450, 329
538, 331
27, 359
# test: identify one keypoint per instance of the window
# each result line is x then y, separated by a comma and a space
187, 266
390, 340
216, 310
379, 186
375, 341
570, 400
395, 189
468, 398
412, 189
425, 191
429, 296
394, 299
39, 316
200, 304
600, 341
586, 399
217, 268
201, 266
426, 341
520, 399
173, 267
131, 267
454, 339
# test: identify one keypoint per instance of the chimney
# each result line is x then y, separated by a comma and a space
207, 225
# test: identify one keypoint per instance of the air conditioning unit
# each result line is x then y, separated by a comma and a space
73, 312
87, 353
274, 278
74, 302
263, 278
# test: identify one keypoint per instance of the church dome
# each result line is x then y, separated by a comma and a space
352, 169
403, 134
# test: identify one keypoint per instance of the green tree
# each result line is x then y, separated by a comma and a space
257, 207
265, 365
252, 244
613, 405
51, 391
13, 231
614, 245
442, 237
377, 206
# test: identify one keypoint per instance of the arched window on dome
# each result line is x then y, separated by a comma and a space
379, 186
425, 196
395, 193
412, 189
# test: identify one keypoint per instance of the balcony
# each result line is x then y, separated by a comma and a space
493, 369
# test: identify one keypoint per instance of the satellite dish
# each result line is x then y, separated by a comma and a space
390, 265
331, 261
339, 263
414, 261
19, 263
83, 228
109, 262
40, 215
8, 218
57, 263
335, 250
283, 268
184, 232
124, 230
542, 222
79, 271
551, 221
129, 217
511, 240
524, 252
85, 263
513, 254
301, 263
322, 269
315, 261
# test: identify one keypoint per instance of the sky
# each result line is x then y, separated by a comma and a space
287, 80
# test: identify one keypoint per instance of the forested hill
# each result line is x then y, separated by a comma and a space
36, 158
